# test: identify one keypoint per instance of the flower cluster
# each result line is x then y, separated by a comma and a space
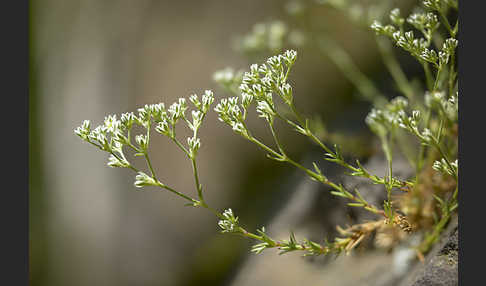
443, 167
411, 123
267, 87
260, 84
142, 179
438, 4
115, 133
437, 101
417, 47
385, 120
427, 24
229, 223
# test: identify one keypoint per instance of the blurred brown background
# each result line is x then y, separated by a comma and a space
88, 224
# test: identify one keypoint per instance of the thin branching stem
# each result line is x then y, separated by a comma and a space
394, 68
163, 186
196, 180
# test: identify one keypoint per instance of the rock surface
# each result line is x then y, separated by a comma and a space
441, 266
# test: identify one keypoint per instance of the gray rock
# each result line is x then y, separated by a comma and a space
441, 269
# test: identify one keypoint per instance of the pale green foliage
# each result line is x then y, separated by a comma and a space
430, 116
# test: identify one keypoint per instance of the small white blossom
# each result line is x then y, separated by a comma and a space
83, 130
450, 45
111, 123
119, 137
163, 128
177, 109
238, 127
127, 119
264, 110
443, 58
142, 179
290, 56
286, 93
229, 223
246, 99
275, 62
116, 162
142, 141
194, 100
444, 168
207, 100
263, 69
427, 135
194, 145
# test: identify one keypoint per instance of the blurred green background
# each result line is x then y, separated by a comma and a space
88, 224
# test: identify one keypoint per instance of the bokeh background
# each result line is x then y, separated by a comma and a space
88, 58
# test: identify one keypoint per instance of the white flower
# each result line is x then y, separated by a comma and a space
246, 99
238, 127
177, 109
142, 141
444, 168
193, 98
115, 162
163, 127
207, 100
194, 145
229, 223
275, 61
127, 119
111, 123
83, 130
264, 110
143, 179
286, 91
290, 56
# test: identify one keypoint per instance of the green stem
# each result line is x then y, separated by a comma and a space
179, 144
150, 165
314, 138
215, 212
446, 22
160, 184
441, 127
428, 76
129, 166
324, 147
437, 78
349, 69
452, 75
394, 68
145, 154
244, 232
386, 144
196, 180
275, 138
298, 116
421, 155
437, 145
264, 147
431, 238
